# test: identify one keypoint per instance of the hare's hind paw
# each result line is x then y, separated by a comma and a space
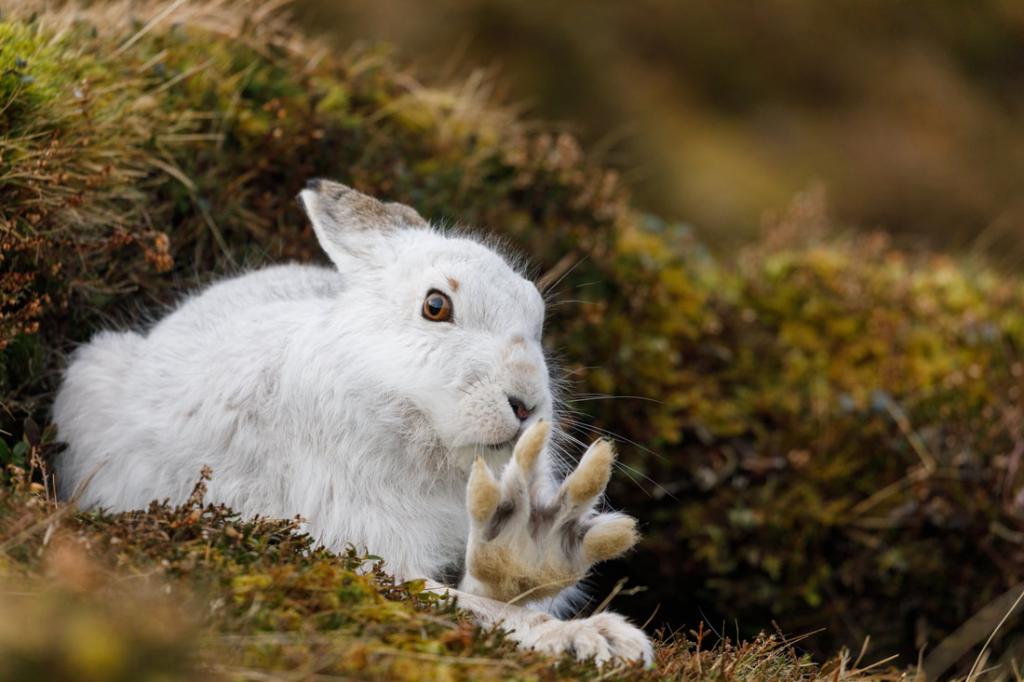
522, 546
605, 637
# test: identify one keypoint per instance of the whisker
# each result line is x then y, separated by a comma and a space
569, 301
564, 460
587, 397
577, 370
612, 434
631, 473
549, 288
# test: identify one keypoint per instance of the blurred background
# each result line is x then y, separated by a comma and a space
909, 114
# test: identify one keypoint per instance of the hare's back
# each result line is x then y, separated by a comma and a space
221, 337
258, 302
276, 284
142, 412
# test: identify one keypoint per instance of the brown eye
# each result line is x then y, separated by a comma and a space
437, 307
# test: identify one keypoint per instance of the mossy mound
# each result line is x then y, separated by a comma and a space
835, 424
195, 592
841, 431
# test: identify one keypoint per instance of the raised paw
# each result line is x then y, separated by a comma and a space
606, 637
526, 543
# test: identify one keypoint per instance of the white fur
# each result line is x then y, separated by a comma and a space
325, 393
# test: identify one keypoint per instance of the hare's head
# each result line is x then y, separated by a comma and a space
451, 329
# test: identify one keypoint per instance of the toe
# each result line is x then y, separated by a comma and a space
589, 643
482, 492
626, 642
591, 476
605, 638
612, 535
529, 446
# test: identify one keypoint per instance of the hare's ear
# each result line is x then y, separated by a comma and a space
351, 225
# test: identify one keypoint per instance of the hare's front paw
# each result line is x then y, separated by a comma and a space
604, 637
523, 547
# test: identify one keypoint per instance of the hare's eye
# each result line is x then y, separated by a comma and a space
437, 307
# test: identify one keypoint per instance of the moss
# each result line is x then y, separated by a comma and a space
195, 591
840, 421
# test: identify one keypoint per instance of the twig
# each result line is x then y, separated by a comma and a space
611, 595
984, 649
915, 440
552, 277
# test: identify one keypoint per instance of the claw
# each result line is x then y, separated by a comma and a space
482, 491
591, 476
530, 444
609, 539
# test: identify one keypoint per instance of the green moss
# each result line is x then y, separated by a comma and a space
32, 74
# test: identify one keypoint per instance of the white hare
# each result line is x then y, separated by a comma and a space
373, 400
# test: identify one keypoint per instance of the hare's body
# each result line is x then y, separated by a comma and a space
368, 399
229, 380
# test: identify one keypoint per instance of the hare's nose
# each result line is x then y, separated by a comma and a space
520, 408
